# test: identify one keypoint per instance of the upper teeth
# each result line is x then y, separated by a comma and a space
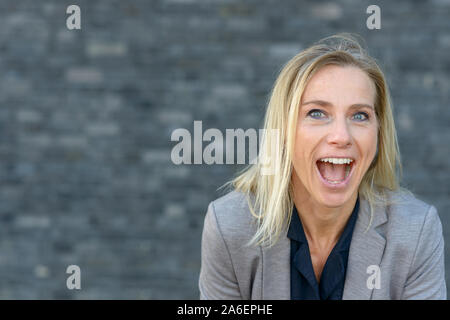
337, 160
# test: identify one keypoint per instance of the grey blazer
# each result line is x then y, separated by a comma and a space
400, 256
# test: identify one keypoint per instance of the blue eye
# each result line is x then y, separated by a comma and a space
361, 116
316, 114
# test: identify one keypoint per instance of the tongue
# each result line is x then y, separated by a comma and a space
333, 172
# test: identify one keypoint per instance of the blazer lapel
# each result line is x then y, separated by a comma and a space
276, 276
366, 249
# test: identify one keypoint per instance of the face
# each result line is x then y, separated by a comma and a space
336, 137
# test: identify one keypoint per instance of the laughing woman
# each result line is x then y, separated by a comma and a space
329, 221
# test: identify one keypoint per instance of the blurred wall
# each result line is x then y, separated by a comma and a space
86, 118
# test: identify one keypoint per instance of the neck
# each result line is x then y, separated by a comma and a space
322, 225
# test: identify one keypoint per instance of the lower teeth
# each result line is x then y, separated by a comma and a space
334, 182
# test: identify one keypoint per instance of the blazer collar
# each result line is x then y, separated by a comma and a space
276, 276
366, 248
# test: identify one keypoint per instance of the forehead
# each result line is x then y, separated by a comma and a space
340, 84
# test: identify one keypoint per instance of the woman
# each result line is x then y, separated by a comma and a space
331, 222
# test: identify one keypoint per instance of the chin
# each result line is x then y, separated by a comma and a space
334, 200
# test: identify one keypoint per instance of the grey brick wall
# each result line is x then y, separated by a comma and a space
86, 117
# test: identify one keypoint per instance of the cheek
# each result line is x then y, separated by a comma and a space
305, 141
369, 141
309, 136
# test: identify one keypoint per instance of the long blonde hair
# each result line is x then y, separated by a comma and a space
270, 196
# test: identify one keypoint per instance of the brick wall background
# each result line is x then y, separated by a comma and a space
86, 118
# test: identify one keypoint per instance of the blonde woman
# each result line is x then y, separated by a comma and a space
331, 221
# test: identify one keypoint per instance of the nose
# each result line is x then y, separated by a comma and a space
339, 135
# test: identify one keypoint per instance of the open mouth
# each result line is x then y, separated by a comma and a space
335, 171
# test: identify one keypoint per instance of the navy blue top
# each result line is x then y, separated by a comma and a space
304, 284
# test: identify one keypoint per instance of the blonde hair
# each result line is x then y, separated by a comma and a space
270, 196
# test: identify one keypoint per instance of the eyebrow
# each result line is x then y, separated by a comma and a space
329, 104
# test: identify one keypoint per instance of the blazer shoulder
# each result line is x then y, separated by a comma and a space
233, 216
416, 248
408, 215
404, 207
